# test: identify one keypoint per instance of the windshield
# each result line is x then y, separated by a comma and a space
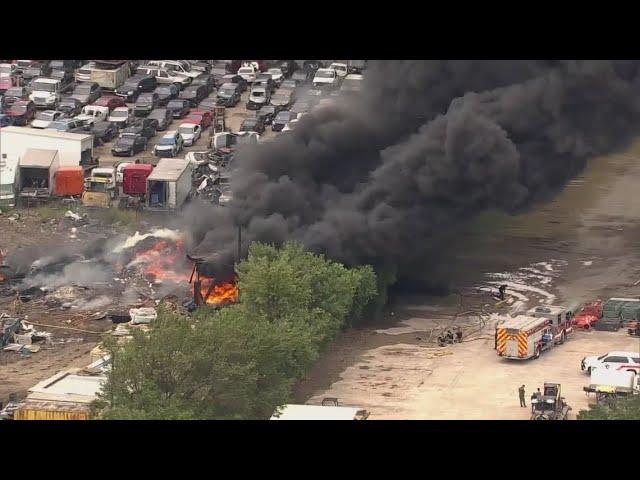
177, 105
166, 141
119, 114
257, 94
58, 125
186, 130
83, 89
126, 140
84, 71
226, 92
342, 68
325, 74
43, 87
145, 99
44, 116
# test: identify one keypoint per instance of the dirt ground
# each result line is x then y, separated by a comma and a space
580, 246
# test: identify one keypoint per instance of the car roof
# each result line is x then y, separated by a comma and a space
46, 80
624, 354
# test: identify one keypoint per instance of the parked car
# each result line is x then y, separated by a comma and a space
282, 99
190, 132
288, 84
145, 103
169, 145
201, 67
258, 97
208, 103
22, 112
166, 93
104, 131
35, 71
228, 95
267, 113
136, 85
66, 79
281, 119
165, 77
287, 68
276, 75
629, 361
110, 101
120, 116
5, 120
129, 145
238, 80
87, 92
264, 80
69, 125
253, 125
340, 68
69, 106
194, 94
164, 116
179, 107
207, 80
325, 78
44, 118
249, 73
146, 127
204, 118
14, 94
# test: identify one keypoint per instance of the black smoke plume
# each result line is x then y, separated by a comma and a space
426, 146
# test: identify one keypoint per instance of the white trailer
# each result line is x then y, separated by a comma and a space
74, 149
36, 173
609, 384
169, 185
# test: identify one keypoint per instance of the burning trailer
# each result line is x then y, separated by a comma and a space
213, 281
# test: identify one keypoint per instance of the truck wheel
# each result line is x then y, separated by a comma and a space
589, 371
562, 337
537, 354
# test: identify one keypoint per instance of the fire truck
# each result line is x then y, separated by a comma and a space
529, 335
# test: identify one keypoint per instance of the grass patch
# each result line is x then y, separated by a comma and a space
114, 215
48, 212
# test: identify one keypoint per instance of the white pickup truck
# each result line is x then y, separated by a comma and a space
93, 113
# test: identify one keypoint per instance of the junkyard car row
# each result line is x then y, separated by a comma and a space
145, 110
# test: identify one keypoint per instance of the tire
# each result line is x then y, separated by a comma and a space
589, 371
537, 354
562, 337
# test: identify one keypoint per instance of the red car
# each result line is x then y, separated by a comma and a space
8, 81
589, 314
110, 101
22, 112
200, 117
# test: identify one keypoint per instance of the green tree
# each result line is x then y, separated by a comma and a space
241, 361
625, 408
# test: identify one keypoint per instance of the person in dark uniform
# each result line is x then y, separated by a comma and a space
459, 334
449, 336
521, 394
501, 291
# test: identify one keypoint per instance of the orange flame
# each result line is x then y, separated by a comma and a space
222, 293
162, 259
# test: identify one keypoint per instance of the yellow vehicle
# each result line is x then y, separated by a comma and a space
100, 188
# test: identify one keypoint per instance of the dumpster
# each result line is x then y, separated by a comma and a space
69, 181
